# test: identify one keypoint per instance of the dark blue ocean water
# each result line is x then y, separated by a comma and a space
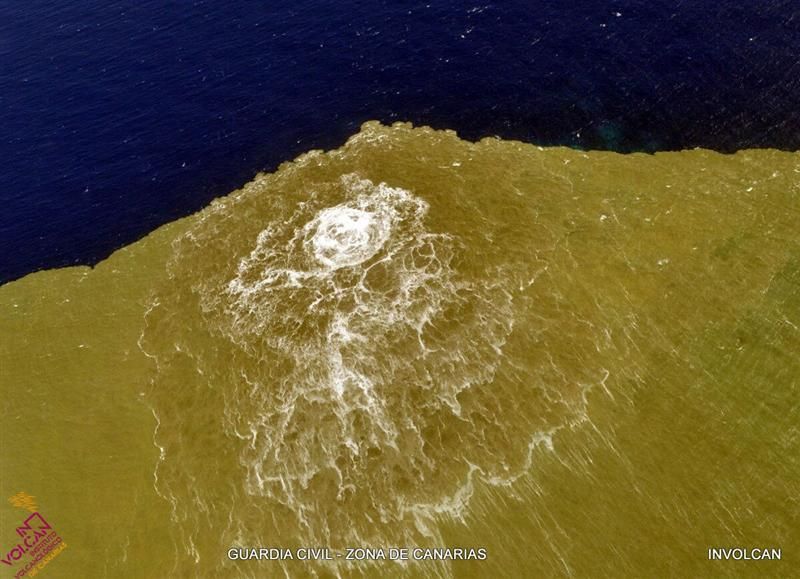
118, 116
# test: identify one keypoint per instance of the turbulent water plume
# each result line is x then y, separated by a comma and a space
351, 358
582, 362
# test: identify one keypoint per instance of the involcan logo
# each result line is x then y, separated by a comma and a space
38, 542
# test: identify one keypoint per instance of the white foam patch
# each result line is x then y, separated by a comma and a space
345, 236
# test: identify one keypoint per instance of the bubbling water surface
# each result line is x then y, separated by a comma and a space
344, 236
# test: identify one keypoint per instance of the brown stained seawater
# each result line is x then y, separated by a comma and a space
584, 362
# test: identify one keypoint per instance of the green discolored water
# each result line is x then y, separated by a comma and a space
584, 363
